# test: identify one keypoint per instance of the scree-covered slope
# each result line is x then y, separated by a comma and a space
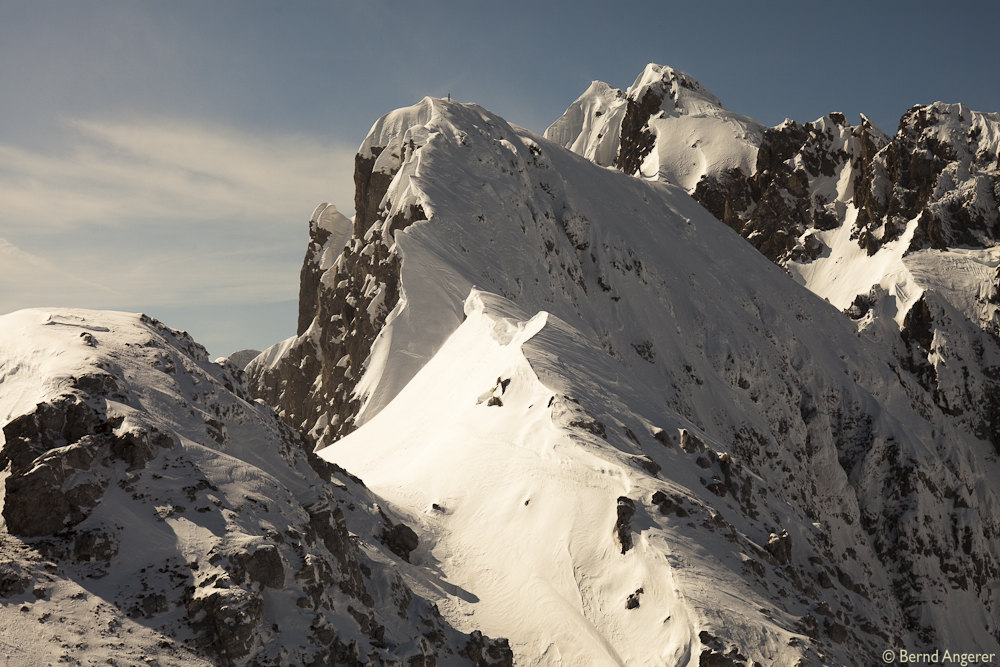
623, 435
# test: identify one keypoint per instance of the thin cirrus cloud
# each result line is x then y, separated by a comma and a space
116, 173
133, 215
35, 280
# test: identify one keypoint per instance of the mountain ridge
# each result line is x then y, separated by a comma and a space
850, 211
474, 211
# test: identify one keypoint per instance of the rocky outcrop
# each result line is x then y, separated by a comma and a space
342, 308
790, 194
636, 139
59, 458
779, 547
625, 508
942, 169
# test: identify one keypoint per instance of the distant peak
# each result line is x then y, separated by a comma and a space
680, 87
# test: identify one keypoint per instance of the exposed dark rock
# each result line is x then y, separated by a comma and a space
227, 622
331, 528
636, 139
633, 599
775, 206
51, 451
808, 625
310, 275
663, 438
726, 196
401, 540
486, 652
894, 181
779, 546
835, 631
95, 545
623, 527
668, 504
714, 653
591, 426
13, 579
263, 565
59, 456
647, 464
862, 304
691, 443
348, 308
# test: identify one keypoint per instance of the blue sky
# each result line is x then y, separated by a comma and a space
165, 156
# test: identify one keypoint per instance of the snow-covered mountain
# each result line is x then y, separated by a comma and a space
154, 513
666, 126
590, 417
622, 435
853, 214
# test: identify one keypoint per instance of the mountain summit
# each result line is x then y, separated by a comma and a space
666, 126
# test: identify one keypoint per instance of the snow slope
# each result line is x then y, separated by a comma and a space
624, 436
153, 513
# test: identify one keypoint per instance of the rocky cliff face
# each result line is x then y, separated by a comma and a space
150, 507
819, 188
344, 301
803, 177
939, 172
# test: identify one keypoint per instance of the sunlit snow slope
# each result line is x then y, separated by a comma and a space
622, 434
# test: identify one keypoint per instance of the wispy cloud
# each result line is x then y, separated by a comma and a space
151, 213
34, 280
119, 173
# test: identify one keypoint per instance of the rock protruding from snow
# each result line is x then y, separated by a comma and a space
153, 509
845, 207
802, 180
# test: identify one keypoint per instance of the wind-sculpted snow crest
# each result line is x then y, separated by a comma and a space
621, 434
